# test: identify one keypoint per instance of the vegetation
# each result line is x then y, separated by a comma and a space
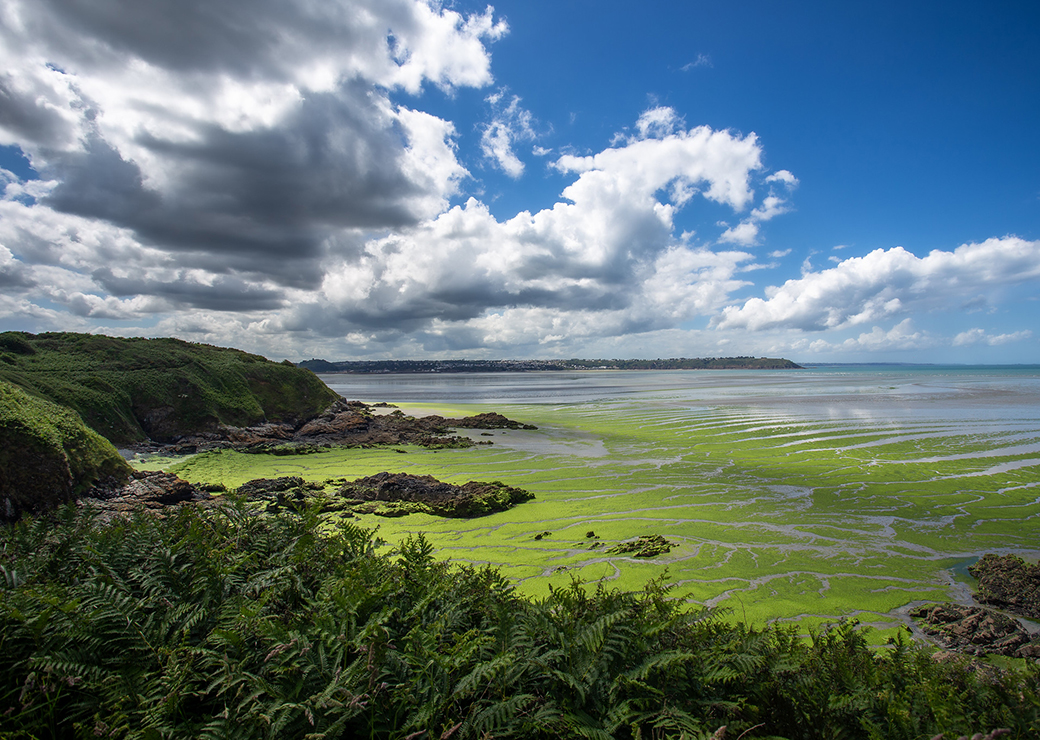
520, 366
48, 455
226, 623
129, 390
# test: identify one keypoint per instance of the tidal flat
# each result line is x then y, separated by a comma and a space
801, 496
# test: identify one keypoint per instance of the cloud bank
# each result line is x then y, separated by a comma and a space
267, 175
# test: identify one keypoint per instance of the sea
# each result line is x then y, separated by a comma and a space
997, 396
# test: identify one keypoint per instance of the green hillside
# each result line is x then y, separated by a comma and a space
47, 455
130, 390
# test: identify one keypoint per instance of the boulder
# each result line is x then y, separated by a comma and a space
1008, 582
975, 630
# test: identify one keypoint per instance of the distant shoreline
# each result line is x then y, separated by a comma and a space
368, 367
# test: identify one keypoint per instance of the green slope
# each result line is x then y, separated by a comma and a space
130, 390
48, 455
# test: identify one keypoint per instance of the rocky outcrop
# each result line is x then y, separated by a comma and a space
647, 546
975, 630
151, 491
397, 494
343, 424
1008, 582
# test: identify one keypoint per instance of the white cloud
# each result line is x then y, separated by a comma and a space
745, 234
887, 283
702, 60
980, 336
785, 177
509, 125
657, 123
604, 261
251, 130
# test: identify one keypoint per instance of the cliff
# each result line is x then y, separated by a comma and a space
131, 390
48, 456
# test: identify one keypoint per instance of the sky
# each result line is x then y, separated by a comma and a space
368, 179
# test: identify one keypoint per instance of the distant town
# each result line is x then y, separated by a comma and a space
524, 366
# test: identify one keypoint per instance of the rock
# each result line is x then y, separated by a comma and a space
976, 631
426, 493
1008, 582
266, 488
647, 546
490, 420
346, 424
151, 491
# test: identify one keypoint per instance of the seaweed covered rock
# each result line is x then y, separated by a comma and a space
401, 493
287, 491
646, 546
48, 456
1008, 582
977, 631
488, 420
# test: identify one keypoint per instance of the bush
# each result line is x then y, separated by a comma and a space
226, 622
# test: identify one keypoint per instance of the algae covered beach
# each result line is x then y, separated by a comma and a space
804, 495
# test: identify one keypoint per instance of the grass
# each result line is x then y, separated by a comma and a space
129, 390
775, 518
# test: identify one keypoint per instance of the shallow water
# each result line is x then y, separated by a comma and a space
994, 395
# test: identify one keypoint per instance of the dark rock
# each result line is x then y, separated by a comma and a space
1008, 582
974, 630
344, 424
286, 492
490, 420
267, 487
426, 493
151, 491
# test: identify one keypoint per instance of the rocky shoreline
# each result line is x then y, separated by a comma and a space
382, 494
343, 424
1005, 582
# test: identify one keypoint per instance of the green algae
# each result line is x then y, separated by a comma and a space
800, 520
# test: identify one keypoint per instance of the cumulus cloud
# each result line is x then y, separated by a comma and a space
746, 233
888, 283
602, 260
902, 336
237, 134
509, 125
243, 172
980, 336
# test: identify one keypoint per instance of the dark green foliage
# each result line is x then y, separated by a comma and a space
225, 622
48, 455
132, 389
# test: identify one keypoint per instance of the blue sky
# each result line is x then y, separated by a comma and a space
392, 178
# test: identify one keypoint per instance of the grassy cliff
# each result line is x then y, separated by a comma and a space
48, 455
130, 390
